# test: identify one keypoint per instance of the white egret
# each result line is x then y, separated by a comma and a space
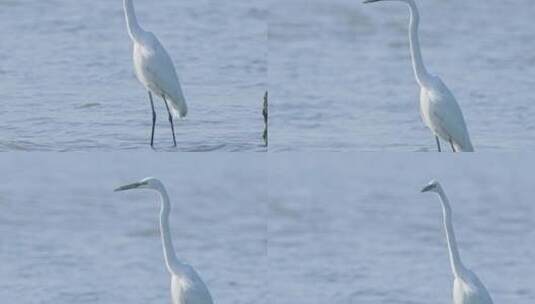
186, 285
154, 68
467, 288
438, 107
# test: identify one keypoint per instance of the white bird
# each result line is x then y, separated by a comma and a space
438, 107
467, 288
154, 68
186, 285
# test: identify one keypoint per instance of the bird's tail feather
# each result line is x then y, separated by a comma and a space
178, 106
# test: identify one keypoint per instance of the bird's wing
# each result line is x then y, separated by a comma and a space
160, 70
199, 295
195, 290
447, 115
481, 292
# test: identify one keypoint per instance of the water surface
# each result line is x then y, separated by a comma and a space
357, 230
67, 79
66, 237
341, 77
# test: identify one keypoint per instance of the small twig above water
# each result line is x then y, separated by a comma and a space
265, 114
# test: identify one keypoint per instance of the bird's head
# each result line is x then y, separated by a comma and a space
432, 186
146, 183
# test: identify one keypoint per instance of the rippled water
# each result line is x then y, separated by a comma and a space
349, 229
305, 229
341, 78
66, 237
67, 80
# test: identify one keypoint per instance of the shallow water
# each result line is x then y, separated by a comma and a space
67, 80
66, 237
357, 230
341, 78
305, 229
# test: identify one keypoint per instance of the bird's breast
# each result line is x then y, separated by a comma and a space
178, 290
464, 293
143, 60
425, 107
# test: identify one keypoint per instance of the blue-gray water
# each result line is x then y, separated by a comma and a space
355, 229
67, 80
280, 229
340, 74
66, 237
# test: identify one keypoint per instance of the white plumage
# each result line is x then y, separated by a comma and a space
467, 288
154, 68
187, 287
438, 107
442, 115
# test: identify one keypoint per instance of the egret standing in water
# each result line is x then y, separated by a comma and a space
439, 109
154, 68
186, 285
467, 288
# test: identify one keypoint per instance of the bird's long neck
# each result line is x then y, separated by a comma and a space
455, 259
134, 30
418, 66
171, 260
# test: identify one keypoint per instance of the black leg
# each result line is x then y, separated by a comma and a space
452, 146
438, 144
170, 120
153, 120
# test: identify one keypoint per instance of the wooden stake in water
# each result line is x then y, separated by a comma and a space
265, 114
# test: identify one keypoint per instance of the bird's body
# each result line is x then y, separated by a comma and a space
441, 113
438, 107
467, 288
187, 287
154, 68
